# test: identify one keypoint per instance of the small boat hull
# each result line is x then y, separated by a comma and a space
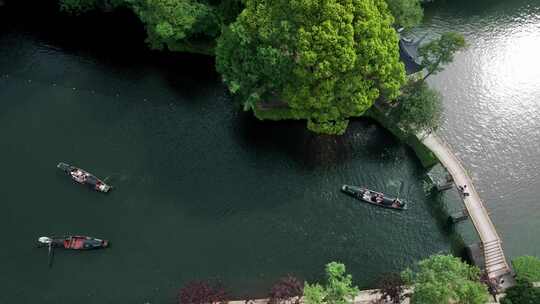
76, 242
374, 197
83, 177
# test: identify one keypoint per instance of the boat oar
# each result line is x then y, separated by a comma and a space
51, 254
400, 189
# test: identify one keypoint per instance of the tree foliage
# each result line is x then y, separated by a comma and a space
328, 60
288, 289
440, 51
446, 279
407, 13
338, 289
76, 7
175, 23
527, 268
179, 25
314, 294
419, 108
199, 292
522, 293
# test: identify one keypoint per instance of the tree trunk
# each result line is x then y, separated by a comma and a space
434, 69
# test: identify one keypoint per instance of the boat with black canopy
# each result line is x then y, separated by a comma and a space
83, 177
374, 197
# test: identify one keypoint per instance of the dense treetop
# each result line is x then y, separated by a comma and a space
338, 289
419, 108
322, 61
522, 293
439, 52
174, 23
446, 279
527, 268
328, 60
407, 13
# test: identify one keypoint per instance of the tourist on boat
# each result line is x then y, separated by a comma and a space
78, 176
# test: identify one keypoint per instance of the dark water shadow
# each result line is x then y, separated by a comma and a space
311, 151
439, 211
112, 43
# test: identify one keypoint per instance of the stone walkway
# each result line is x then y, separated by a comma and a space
495, 260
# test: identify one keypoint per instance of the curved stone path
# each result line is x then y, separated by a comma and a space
495, 260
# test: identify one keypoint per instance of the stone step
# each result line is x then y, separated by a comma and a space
498, 273
491, 249
494, 254
491, 245
496, 267
494, 249
495, 261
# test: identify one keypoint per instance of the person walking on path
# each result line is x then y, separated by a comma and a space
462, 190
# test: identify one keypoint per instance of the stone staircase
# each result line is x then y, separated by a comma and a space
495, 261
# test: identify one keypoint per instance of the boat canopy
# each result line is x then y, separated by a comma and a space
92, 180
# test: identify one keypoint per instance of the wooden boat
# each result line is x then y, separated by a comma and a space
374, 197
83, 177
76, 242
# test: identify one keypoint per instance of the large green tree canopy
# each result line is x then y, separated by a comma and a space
446, 279
327, 59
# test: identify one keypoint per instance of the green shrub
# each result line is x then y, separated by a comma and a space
522, 293
527, 268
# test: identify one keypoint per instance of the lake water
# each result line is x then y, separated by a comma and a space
203, 191
492, 109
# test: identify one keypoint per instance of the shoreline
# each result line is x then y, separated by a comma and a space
366, 296
424, 154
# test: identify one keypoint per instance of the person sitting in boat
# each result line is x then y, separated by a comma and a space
100, 186
78, 176
366, 195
